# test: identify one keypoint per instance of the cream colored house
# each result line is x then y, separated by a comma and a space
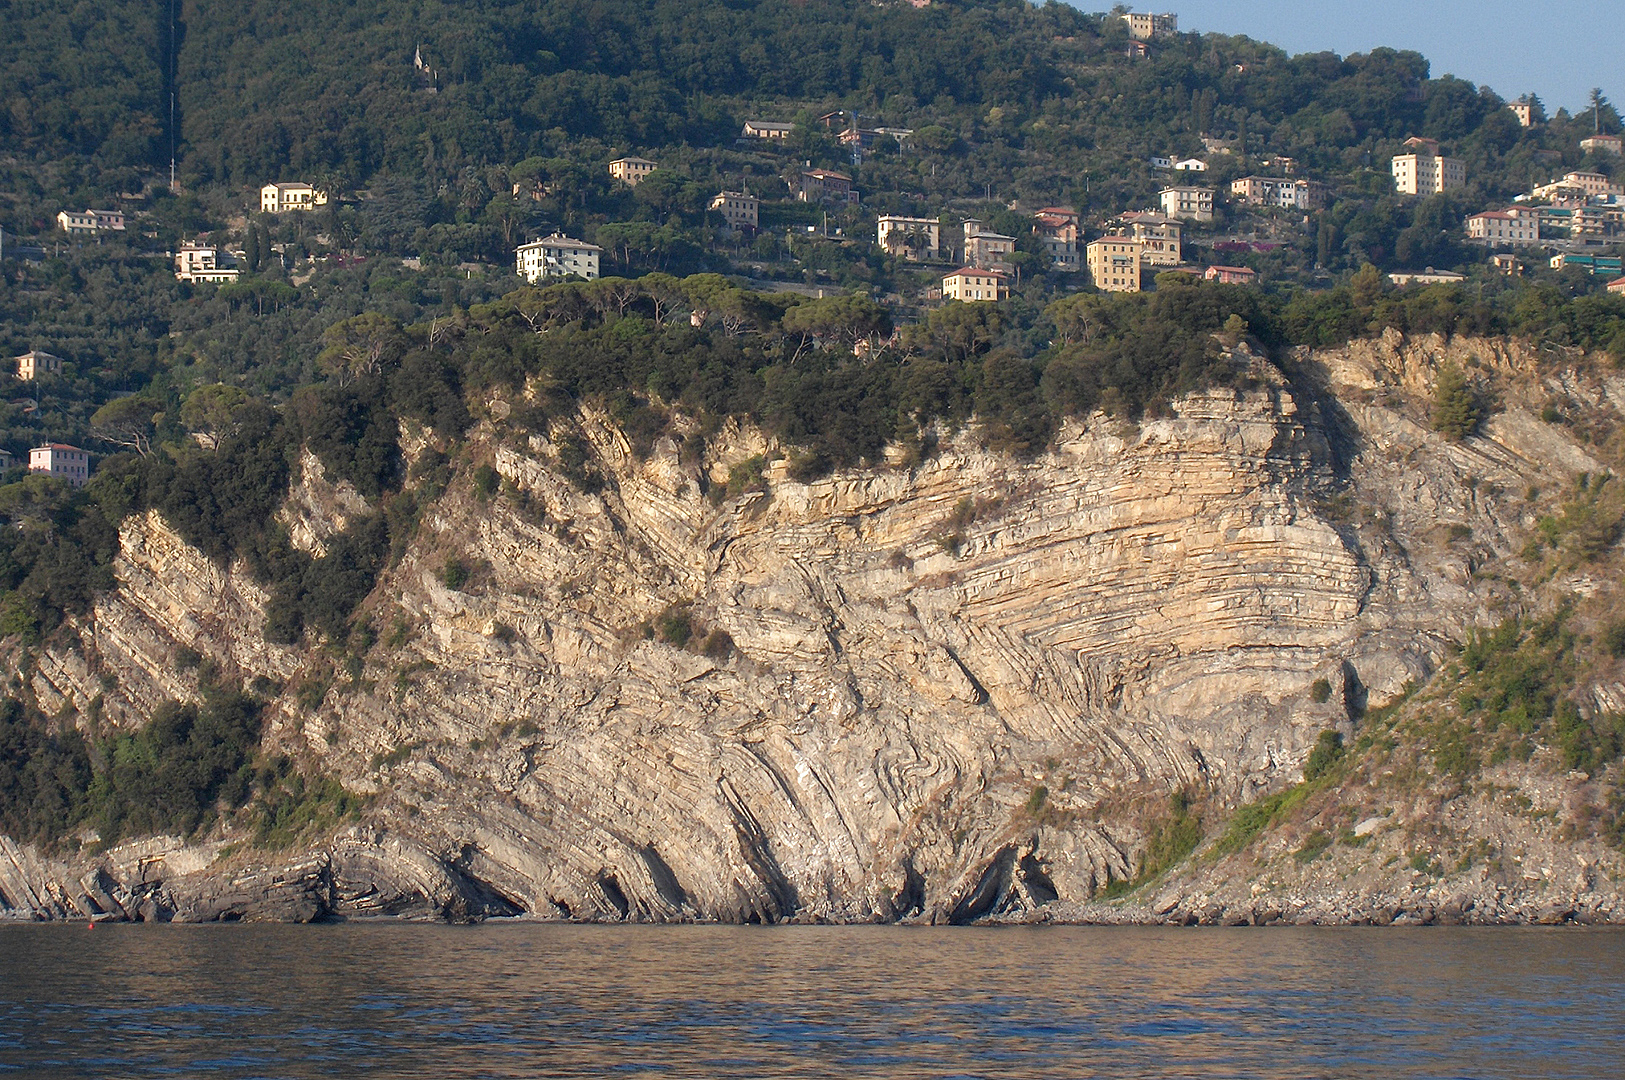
1524, 110
740, 209
1190, 203
557, 256
1427, 173
972, 283
201, 262
1114, 263
1588, 183
766, 129
916, 239
1604, 144
629, 170
1145, 26
1159, 238
91, 221
1516, 227
280, 198
32, 364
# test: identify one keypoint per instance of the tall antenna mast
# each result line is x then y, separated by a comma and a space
172, 52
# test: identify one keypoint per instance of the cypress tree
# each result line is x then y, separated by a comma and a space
251, 248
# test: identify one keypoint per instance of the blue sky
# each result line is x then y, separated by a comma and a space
1559, 49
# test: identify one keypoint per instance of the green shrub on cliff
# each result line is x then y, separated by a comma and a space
1455, 412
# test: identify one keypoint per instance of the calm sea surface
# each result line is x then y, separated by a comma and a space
534, 1000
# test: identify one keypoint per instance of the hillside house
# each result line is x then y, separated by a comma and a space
1231, 275
826, 186
766, 129
1190, 203
557, 256
1426, 172
740, 209
1587, 184
1057, 229
1278, 191
629, 170
33, 363
915, 239
1524, 110
7, 462
1617, 286
281, 198
1429, 276
1190, 164
202, 262
90, 222
1611, 145
1612, 265
1146, 26
1514, 227
1114, 263
973, 283
1159, 237
987, 249
59, 459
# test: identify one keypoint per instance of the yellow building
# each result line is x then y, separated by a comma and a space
970, 283
740, 209
629, 170
1115, 262
277, 198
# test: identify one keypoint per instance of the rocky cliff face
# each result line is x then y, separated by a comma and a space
943, 691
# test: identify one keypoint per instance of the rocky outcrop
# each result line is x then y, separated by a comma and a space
934, 692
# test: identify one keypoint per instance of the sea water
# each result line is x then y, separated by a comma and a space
523, 999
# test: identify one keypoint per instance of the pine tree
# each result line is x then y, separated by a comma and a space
1455, 413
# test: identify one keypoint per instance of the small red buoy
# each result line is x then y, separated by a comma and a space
92, 926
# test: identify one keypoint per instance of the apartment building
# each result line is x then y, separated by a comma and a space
1057, 228
972, 283
1427, 173
557, 256
1514, 227
1190, 203
629, 170
59, 459
1114, 263
280, 198
1278, 191
1158, 236
202, 262
1612, 265
740, 209
916, 239
90, 222
1587, 184
1146, 26
33, 363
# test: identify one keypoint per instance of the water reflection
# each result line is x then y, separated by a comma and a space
528, 1000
